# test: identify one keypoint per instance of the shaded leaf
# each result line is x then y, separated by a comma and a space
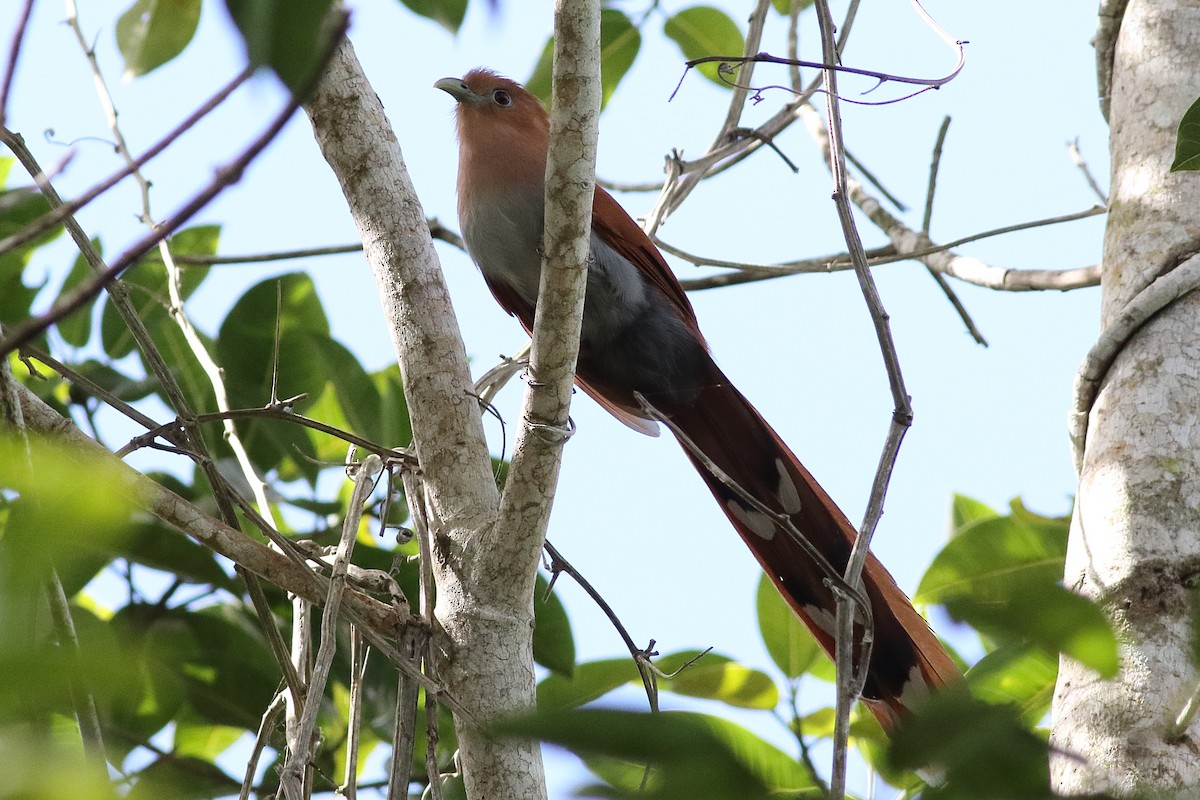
182, 778
289, 36
152, 32
553, 643
447, 13
18, 209
1048, 615
706, 31
1187, 140
695, 756
620, 42
592, 680
76, 328
984, 750
789, 642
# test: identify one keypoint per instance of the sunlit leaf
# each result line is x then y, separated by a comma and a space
991, 555
1018, 674
152, 32
728, 682
785, 6
702, 31
965, 510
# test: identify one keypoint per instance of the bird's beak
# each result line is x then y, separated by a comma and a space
456, 88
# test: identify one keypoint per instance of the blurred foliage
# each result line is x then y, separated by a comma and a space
176, 661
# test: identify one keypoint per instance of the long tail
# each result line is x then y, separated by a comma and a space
907, 659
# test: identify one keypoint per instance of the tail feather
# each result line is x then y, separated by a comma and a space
907, 659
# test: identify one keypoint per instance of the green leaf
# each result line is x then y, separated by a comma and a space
620, 42
307, 360
982, 750
233, 677
964, 511
589, 681
146, 283
156, 546
182, 778
553, 644
1187, 142
152, 32
619, 45
289, 36
788, 640
706, 31
48, 515
1002, 575
1048, 615
785, 6
696, 757
728, 682
592, 680
991, 555
1021, 675
18, 209
76, 329
116, 383
447, 13
201, 740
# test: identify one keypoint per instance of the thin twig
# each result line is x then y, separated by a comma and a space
1078, 159
559, 564
365, 476
849, 680
266, 616
266, 726
14, 52
60, 211
225, 177
359, 653
404, 731
980, 274
926, 219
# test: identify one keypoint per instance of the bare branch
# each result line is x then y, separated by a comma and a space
14, 53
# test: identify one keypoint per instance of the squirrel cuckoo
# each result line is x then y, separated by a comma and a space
640, 337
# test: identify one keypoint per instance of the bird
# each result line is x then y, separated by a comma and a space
643, 358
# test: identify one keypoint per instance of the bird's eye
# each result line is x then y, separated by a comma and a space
502, 98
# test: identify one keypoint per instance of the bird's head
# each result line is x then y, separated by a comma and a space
490, 103
503, 133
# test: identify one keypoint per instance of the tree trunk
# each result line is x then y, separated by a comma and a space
1135, 537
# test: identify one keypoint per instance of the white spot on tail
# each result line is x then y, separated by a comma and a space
759, 523
788, 496
915, 690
